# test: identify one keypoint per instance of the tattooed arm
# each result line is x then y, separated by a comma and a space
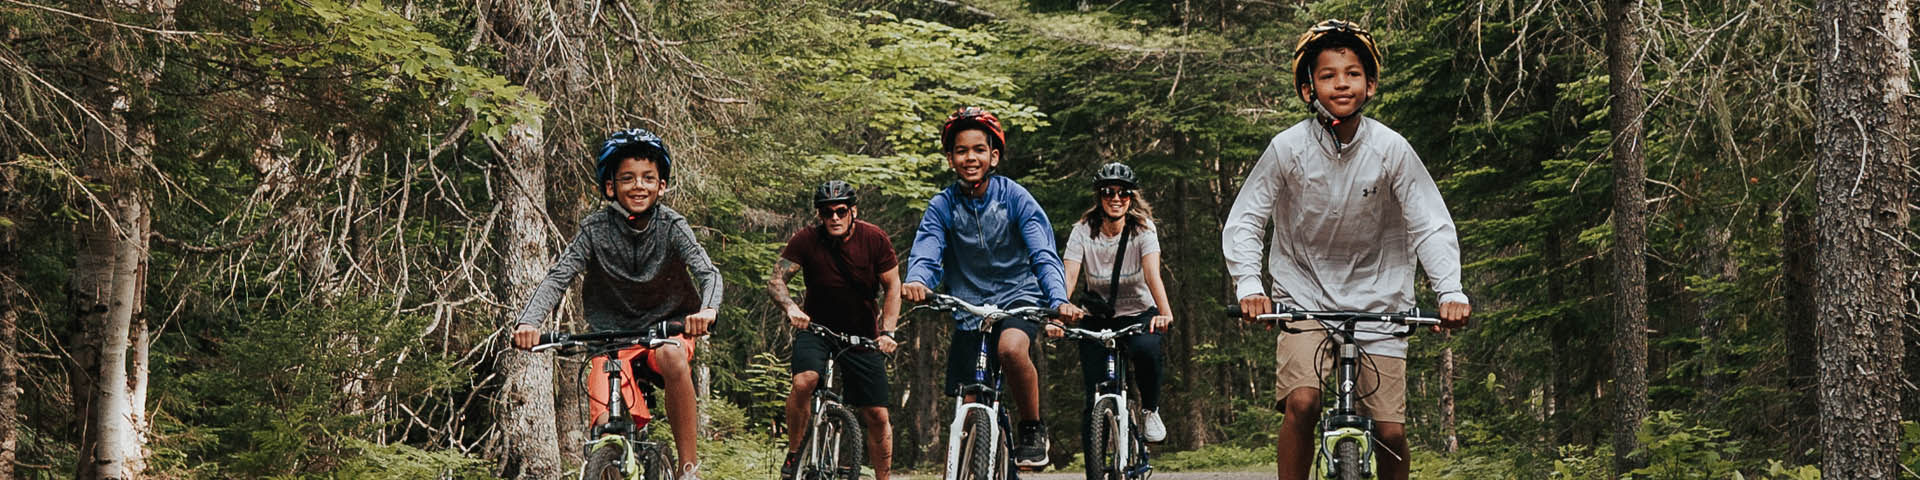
777, 287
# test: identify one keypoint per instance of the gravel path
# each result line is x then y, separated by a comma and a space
1156, 476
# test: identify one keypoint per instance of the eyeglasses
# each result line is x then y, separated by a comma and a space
636, 180
836, 212
1111, 192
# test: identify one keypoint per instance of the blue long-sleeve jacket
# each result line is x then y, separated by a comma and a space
996, 250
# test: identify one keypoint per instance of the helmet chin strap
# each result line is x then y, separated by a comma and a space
629, 214
1332, 122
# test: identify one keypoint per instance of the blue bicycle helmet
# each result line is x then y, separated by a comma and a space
635, 142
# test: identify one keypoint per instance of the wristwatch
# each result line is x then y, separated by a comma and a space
884, 333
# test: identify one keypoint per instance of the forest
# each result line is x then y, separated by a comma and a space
288, 238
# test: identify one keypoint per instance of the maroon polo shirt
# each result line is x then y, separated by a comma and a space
832, 299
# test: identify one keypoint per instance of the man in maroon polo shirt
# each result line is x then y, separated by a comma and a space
846, 262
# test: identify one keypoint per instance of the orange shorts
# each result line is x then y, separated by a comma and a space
629, 389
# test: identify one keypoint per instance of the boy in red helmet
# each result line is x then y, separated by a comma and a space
989, 241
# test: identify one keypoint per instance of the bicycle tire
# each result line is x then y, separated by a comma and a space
659, 463
1137, 452
1103, 426
604, 462
1346, 456
977, 448
846, 445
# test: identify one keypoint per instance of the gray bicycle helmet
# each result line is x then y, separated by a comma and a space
834, 191
1114, 174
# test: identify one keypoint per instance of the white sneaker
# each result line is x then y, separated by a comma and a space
689, 471
1155, 431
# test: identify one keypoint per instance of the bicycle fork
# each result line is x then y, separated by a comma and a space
1343, 422
957, 430
1123, 420
819, 450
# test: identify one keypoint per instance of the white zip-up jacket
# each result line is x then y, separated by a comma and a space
1346, 227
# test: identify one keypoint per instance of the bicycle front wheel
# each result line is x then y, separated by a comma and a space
659, 463
977, 449
1346, 455
842, 446
606, 460
1103, 454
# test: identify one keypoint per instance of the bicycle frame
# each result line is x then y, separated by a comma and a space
986, 386
1115, 387
986, 395
825, 397
1343, 421
630, 436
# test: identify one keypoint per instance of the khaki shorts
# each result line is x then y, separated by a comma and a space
1383, 379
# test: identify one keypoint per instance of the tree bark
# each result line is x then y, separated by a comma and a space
531, 442
1797, 247
9, 336
116, 421
1863, 191
1629, 229
1718, 264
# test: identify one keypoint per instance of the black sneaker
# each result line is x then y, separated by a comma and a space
791, 466
1031, 449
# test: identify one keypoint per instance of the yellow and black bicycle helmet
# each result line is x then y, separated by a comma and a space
1334, 33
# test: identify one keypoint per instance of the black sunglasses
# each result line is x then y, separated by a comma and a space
1110, 192
836, 212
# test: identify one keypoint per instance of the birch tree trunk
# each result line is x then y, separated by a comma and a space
119, 390
1863, 193
1629, 230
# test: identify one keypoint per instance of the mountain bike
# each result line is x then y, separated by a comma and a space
1347, 438
620, 448
1119, 450
835, 440
978, 445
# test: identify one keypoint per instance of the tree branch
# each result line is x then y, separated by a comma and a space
163, 239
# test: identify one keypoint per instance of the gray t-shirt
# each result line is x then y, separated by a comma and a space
1095, 251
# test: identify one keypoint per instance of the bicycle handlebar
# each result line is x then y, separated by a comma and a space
992, 313
854, 341
1282, 318
1100, 335
660, 334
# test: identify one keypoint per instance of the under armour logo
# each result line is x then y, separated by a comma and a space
1367, 192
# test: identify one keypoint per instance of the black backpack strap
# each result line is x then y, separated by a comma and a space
1119, 257
840, 264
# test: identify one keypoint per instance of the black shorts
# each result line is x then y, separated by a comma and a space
863, 372
964, 351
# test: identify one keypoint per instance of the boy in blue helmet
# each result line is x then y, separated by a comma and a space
637, 255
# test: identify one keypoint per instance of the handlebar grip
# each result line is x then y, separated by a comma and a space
1233, 309
671, 328
546, 338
